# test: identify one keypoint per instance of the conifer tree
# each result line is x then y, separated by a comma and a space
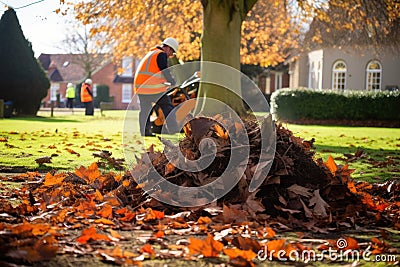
22, 79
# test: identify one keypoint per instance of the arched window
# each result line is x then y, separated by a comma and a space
339, 71
374, 75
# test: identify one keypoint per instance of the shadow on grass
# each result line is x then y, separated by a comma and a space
43, 119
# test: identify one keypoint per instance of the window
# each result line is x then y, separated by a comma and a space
94, 90
339, 71
315, 66
374, 75
126, 92
54, 89
311, 76
278, 80
127, 66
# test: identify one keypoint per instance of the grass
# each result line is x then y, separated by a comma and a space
380, 159
71, 140
60, 136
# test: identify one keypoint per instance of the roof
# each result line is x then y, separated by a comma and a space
66, 67
123, 79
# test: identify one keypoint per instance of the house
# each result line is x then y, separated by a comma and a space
340, 59
64, 68
346, 68
274, 78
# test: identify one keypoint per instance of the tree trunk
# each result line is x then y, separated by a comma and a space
221, 43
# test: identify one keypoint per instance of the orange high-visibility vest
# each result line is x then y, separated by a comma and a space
148, 77
85, 96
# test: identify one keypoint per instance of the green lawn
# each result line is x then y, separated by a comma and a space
380, 146
71, 140
61, 135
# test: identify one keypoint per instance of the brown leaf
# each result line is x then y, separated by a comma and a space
246, 243
199, 128
43, 160
319, 205
300, 190
73, 152
232, 214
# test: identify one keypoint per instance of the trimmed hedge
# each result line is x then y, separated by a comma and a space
303, 103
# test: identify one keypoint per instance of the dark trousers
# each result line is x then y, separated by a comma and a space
89, 108
70, 102
146, 105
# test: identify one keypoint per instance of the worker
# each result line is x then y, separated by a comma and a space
87, 97
70, 94
152, 79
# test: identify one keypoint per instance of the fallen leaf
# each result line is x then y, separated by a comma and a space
147, 248
91, 234
208, 247
43, 160
235, 252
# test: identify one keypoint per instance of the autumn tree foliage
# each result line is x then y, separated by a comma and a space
214, 27
134, 26
22, 79
357, 22
231, 31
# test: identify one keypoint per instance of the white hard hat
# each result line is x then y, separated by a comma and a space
171, 42
88, 81
70, 85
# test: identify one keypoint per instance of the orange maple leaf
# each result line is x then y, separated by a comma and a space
276, 246
56, 179
91, 234
208, 247
106, 211
248, 255
153, 215
351, 244
331, 165
169, 168
115, 234
204, 220
90, 174
147, 248
220, 131
159, 234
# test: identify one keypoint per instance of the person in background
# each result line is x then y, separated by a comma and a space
151, 82
87, 97
70, 93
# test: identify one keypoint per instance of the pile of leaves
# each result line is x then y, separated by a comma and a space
90, 212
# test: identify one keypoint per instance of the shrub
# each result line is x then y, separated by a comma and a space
22, 79
103, 94
303, 103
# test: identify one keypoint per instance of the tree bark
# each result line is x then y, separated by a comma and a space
222, 21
